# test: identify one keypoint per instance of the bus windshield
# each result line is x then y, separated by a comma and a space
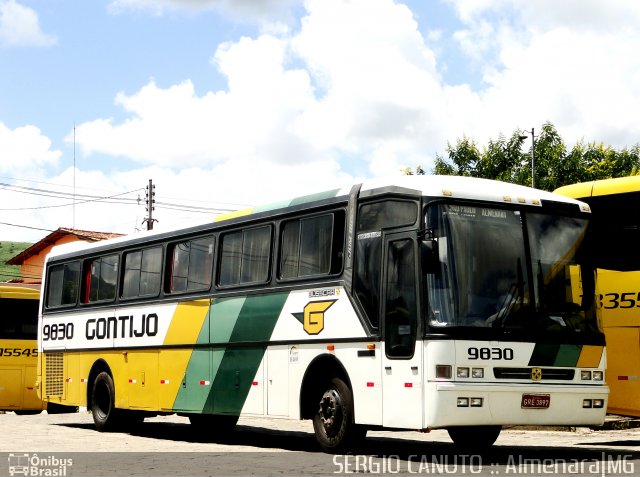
508, 269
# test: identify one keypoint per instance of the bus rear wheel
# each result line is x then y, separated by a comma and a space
474, 437
333, 423
103, 398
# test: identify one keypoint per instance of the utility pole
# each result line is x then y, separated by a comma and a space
150, 200
533, 154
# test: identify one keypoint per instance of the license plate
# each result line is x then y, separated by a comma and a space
536, 401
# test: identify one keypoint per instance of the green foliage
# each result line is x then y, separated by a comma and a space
509, 160
9, 250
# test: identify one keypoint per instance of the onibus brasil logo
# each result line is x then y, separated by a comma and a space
34, 465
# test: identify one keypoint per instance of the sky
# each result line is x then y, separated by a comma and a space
225, 104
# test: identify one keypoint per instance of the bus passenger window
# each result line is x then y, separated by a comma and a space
102, 275
245, 257
312, 246
191, 265
142, 272
64, 281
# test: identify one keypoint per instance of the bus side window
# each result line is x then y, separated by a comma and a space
190, 265
142, 273
245, 257
64, 283
101, 278
312, 246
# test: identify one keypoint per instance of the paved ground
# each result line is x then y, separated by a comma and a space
68, 445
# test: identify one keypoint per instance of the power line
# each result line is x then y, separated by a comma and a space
26, 227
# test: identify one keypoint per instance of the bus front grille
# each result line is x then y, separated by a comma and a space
525, 373
54, 380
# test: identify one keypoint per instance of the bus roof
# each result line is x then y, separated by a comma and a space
460, 187
10, 290
619, 185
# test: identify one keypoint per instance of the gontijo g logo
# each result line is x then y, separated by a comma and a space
312, 316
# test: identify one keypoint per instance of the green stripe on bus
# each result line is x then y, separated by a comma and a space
231, 371
329, 194
565, 355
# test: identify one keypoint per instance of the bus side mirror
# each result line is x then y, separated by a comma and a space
430, 258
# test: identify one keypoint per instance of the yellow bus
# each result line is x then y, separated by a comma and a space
615, 205
418, 302
19, 349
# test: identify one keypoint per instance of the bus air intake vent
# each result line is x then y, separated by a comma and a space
54, 380
525, 373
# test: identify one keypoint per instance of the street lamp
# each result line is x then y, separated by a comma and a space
533, 154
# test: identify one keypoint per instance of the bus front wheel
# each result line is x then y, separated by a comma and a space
333, 423
103, 397
474, 437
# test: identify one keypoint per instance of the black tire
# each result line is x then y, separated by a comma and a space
212, 425
333, 423
103, 397
474, 437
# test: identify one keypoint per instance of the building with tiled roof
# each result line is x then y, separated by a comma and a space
31, 260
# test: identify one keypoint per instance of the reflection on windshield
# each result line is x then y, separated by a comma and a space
483, 277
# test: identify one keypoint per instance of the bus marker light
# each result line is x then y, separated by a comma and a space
408, 385
506, 198
331, 347
522, 200
586, 403
164, 381
598, 376
477, 373
443, 371
585, 375
535, 201
370, 384
463, 402
627, 378
205, 383
598, 403
83, 380
447, 193
69, 380
371, 346
254, 383
132, 381
462, 372
476, 402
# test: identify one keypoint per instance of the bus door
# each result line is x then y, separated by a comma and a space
402, 360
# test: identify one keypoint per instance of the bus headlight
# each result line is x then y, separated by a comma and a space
598, 403
476, 402
462, 372
585, 375
598, 376
477, 372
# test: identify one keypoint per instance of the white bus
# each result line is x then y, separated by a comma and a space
418, 302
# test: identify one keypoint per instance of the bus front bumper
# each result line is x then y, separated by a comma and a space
461, 404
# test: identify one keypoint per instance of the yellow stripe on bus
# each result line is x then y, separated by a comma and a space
184, 329
233, 215
590, 356
187, 322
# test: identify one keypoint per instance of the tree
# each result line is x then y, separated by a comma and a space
504, 159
